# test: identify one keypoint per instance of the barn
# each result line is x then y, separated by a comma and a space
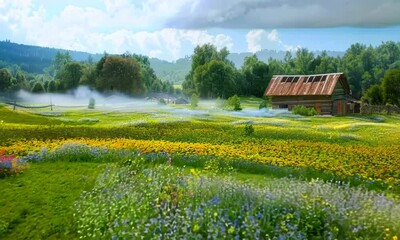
328, 93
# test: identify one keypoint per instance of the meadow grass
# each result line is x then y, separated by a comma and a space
37, 204
285, 154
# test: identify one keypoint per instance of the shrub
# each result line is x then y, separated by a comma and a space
263, 104
194, 101
248, 130
161, 101
304, 111
233, 103
92, 103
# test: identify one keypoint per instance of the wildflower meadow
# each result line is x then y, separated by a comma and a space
203, 175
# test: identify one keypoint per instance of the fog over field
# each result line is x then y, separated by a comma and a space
79, 98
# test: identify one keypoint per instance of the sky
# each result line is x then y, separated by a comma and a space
171, 29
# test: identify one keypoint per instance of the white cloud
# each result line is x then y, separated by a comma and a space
253, 39
82, 28
259, 39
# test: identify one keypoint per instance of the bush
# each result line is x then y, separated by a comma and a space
248, 130
263, 104
92, 103
194, 101
304, 111
233, 103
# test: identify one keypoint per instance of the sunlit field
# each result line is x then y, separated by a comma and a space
132, 169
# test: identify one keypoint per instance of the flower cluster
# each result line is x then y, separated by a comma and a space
10, 165
378, 163
165, 203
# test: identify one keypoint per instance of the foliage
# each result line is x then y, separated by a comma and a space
211, 74
248, 130
304, 111
92, 103
256, 76
120, 74
70, 75
391, 87
264, 104
194, 100
232, 104
38, 87
374, 95
5, 80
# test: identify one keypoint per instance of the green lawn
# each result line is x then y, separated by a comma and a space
38, 203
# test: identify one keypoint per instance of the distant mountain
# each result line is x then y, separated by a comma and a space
34, 59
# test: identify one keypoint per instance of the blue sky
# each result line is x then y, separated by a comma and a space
170, 29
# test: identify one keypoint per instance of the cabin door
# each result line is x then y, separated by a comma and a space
317, 107
339, 108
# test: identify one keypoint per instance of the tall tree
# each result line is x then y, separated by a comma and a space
210, 68
303, 61
70, 75
120, 74
5, 80
391, 87
59, 61
256, 76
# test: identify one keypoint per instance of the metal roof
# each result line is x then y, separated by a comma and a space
296, 85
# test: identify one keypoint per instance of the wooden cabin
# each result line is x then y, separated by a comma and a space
328, 93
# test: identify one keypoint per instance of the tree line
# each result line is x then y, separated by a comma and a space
212, 75
372, 73
130, 74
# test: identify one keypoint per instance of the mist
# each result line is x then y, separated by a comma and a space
79, 99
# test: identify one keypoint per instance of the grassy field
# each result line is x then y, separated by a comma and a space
173, 171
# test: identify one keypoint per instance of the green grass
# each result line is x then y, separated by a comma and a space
38, 203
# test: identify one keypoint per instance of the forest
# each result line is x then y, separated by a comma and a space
373, 73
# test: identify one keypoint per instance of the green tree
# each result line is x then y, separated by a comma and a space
374, 95
211, 74
120, 74
59, 61
70, 75
89, 75
38, 87
5, 80
303, 61
391, 87
354, 67
256, 76
52, 86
